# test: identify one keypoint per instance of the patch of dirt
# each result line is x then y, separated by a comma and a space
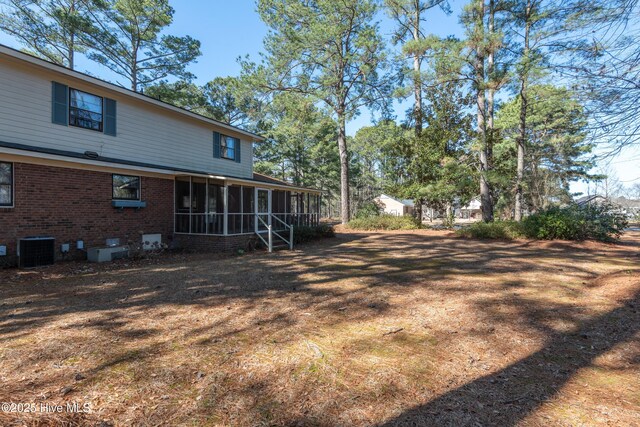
388, 328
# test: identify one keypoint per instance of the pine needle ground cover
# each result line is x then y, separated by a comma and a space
390, 328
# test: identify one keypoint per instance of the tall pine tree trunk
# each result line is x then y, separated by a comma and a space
417, 93
490, 110
344, 168
479, 65
71, 46
417, 81
524, 76
70, 51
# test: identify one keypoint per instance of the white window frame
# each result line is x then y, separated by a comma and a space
69, 107
224, 148
132, 176
13, 186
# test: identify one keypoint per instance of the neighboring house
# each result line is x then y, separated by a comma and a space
83, 160
471, 211
591, 199
628, 207
392, 206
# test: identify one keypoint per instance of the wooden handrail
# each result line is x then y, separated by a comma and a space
269, 241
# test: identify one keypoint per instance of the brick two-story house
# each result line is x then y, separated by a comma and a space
83, 160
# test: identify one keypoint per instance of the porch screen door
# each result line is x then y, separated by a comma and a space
263, 208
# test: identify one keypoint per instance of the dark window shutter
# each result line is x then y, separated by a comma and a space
59, 104
216, 145
238, 150
109, 117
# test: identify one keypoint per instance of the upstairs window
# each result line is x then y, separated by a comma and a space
6, 184
85, 110
126, 187
228, 146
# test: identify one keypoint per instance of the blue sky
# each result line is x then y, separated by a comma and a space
229, 29
224, 39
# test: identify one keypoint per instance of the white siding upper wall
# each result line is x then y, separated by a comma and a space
145, 133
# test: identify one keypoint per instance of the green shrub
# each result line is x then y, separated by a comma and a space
493, 230
384, 222
594, 222
303, 234
368, 210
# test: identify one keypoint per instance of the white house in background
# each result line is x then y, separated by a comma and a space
628, 207
396, 207
471, 211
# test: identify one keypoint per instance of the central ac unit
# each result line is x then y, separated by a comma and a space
36, 251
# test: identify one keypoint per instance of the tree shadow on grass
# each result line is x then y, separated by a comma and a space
506, 397
341, 282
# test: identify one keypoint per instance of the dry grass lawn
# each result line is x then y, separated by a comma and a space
406, 328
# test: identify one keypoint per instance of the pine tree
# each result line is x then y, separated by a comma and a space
51, 29
331, 51
129, 42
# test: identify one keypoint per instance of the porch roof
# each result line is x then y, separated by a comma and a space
257, 180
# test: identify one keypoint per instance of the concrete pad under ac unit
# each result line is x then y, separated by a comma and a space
106, 254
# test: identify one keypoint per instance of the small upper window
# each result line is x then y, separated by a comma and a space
85, 110
126, 187
228, 146
6, 184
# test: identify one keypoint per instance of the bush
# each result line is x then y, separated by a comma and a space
595, 222
384, 222
303, 234
493, 230
368, 210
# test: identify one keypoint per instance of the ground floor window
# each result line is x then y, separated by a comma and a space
6, 184
126, 187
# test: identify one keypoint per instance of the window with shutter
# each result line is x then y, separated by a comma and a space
229, 148
85, 110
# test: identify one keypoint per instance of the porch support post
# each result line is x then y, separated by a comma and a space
291, 237
226, 207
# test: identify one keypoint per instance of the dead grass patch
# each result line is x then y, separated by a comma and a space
395, 328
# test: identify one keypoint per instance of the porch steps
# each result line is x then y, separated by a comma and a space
276, 231
277, 243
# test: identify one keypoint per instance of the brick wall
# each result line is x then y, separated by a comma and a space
72, 204
205, 243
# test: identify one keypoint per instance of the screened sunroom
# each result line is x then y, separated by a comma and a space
224, 207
